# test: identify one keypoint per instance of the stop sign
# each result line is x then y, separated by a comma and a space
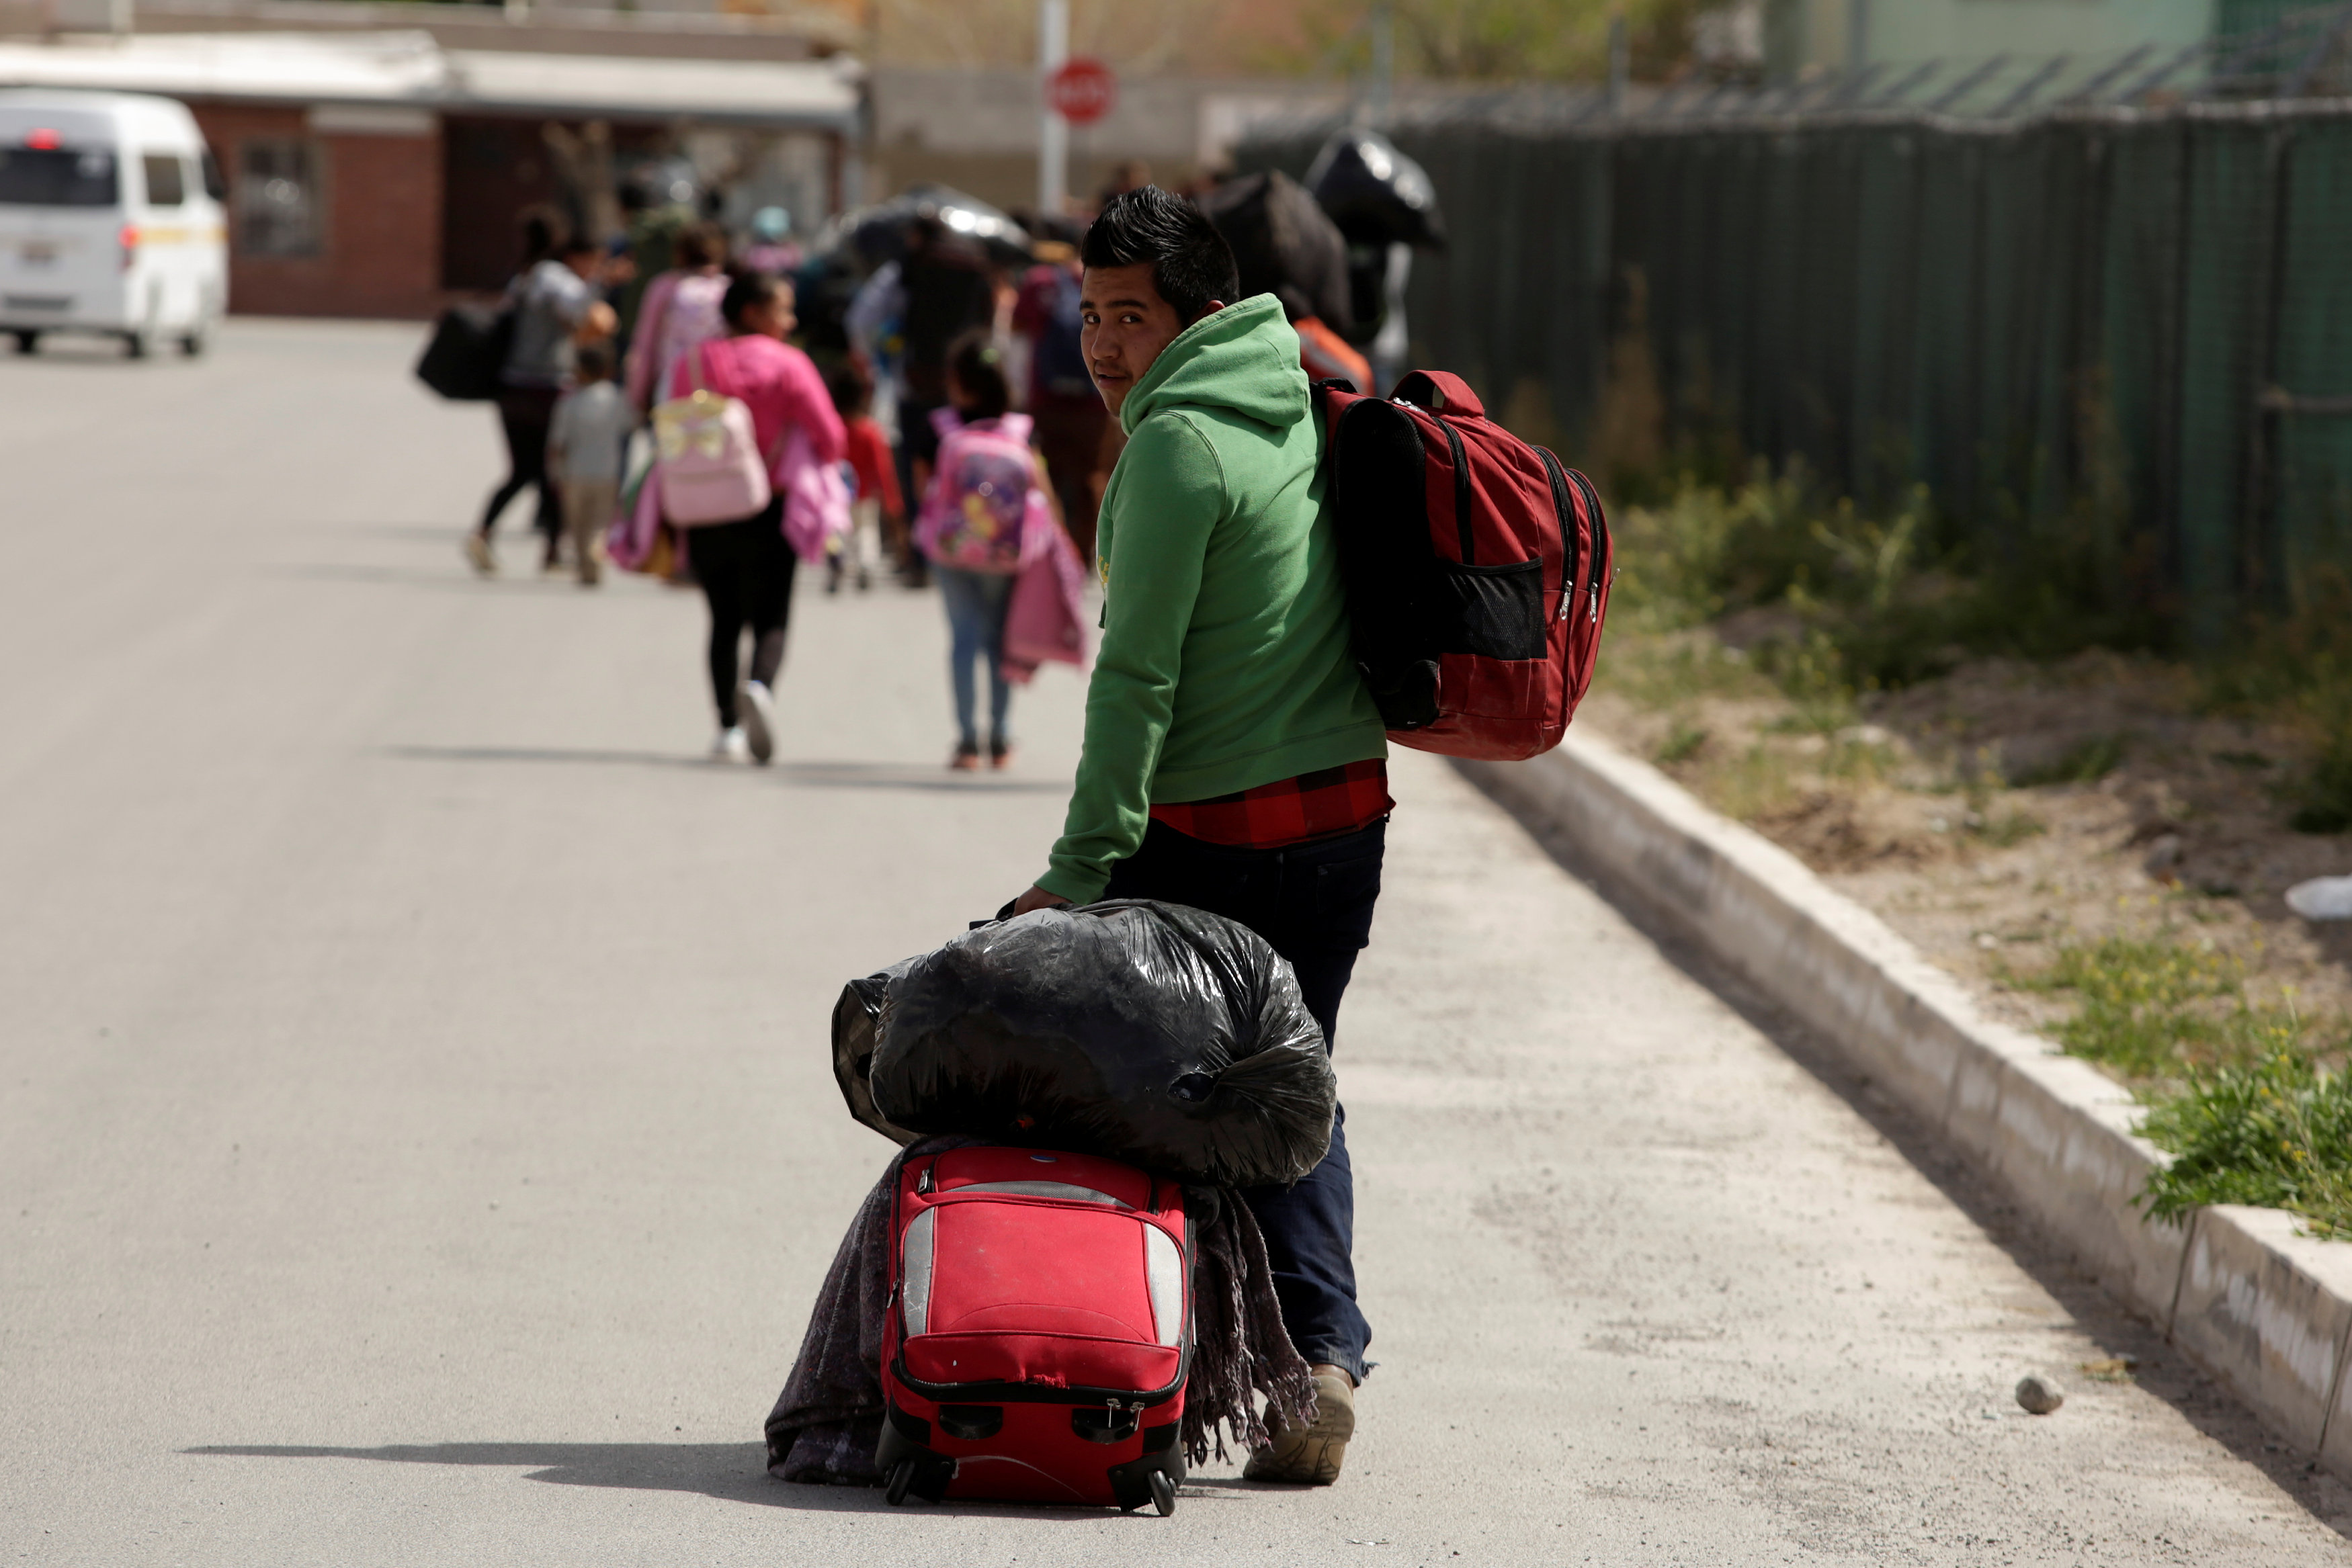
1082, 91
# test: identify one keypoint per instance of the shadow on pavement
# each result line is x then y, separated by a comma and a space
822, 775
733, 1471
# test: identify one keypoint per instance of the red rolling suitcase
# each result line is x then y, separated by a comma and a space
1039, 1330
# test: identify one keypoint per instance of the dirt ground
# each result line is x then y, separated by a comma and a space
2005, 807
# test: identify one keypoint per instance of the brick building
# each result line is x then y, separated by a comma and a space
379, 174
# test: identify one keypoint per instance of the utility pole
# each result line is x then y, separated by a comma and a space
1053, 131
1383, 84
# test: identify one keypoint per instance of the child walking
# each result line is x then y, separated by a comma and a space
879, 507
983, 505
587, 452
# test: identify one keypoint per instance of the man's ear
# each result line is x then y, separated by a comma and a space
1212, 307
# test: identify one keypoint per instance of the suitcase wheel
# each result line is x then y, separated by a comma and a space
1163, 1492
902, 1475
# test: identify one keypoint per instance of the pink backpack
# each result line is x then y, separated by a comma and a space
983, 496
711, 467
689, 318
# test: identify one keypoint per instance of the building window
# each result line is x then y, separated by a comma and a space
166, 186
278, 203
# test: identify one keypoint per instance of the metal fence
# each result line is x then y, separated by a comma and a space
2132, 328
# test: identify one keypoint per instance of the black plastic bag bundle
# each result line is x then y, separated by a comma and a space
1375, 193
1284, 244
856, 1029
1149, 1032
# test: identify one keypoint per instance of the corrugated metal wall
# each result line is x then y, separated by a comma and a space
2134, 327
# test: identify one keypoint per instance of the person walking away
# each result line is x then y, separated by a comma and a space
556, 306
1233, 760
875, 325
975, 525
948, 292
877, 507
587, 453
681, 311
745, 567
1323, 354
1071, 422
772, 248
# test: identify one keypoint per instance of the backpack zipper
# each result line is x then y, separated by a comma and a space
1461, 487
1601, 550
1556, 474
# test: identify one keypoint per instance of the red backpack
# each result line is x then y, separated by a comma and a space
1476, 567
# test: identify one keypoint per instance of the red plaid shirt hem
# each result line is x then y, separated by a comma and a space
1320, 805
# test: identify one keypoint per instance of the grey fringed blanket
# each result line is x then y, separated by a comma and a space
829, 1417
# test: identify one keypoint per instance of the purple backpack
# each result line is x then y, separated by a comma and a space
985, 493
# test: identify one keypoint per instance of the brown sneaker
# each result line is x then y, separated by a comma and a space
1310, 1456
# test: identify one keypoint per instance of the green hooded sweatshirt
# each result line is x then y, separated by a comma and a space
1226, 662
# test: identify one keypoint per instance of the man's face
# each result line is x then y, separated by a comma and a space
1124, 325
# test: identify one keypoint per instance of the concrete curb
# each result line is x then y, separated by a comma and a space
2267, 1312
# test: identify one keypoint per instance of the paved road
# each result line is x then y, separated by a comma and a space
417, 1146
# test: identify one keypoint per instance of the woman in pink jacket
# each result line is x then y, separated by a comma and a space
745, 567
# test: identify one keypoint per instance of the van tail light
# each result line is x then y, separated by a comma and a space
129, 238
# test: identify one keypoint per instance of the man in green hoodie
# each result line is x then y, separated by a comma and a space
1233, 760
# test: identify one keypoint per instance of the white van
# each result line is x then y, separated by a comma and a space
110, 220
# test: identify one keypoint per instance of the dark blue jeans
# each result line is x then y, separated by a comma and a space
1313, 904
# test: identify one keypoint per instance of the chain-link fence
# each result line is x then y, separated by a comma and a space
2126, 331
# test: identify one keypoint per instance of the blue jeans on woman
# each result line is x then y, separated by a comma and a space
1313, 904
976, 602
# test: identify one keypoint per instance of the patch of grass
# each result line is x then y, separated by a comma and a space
1685, 742
2276, 1133
2238, 1092
2086, 764
2154, 1008
1664, 668
1757, 783
2296, 670
1874, 600
2008, 828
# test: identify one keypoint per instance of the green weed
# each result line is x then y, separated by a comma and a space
1685, 743
2084, 764
2152, 1008
2297, 669
2276, 1133
2009, 828
1756, 783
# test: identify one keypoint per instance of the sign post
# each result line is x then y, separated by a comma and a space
1052, 132
1076, 92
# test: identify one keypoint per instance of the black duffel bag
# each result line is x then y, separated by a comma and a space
1153, 1033
467, 354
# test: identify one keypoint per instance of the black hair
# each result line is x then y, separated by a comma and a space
595, 362
747, 290
851, 389
972, 361
571, 245
1191, 262
544, 231
699, 245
